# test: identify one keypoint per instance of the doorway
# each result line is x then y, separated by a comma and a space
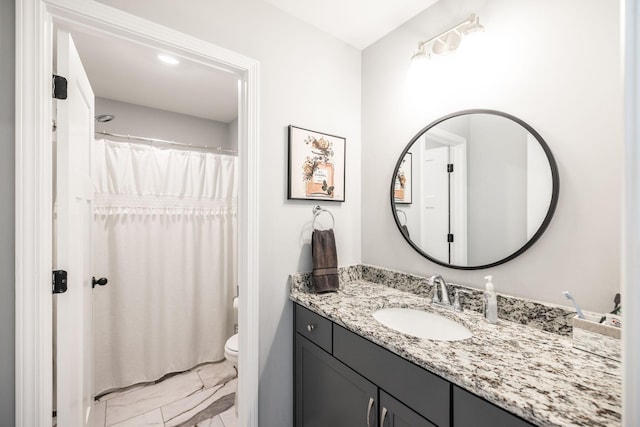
163, 231
33, 302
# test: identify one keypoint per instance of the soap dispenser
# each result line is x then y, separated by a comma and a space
490, 302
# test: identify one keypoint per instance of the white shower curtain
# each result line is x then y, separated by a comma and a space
164, 234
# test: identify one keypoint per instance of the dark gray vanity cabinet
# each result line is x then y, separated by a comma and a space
415, 387
394, 414
470, 410
343, 379
329, 394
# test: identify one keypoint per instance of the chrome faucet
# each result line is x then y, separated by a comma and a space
444, 300
444, 290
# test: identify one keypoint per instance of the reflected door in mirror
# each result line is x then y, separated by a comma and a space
487, 187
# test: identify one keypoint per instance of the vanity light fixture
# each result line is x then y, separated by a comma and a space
447, 41
168, 59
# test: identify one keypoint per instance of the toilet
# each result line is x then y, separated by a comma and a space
231, 350
231, 346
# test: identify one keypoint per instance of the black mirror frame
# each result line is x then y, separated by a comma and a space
552, 206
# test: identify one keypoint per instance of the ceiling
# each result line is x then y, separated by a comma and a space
129, 72
356, 22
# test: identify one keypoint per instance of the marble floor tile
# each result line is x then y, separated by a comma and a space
205, 423
211, 422
216, 373
153, 396
189, 404
121, 391
229, 417
98, 414
200, 406
149, 419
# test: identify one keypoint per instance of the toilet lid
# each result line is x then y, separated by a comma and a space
232, 344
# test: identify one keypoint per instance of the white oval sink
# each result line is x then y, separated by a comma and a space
422, 324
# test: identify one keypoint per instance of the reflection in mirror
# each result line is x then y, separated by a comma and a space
476, 189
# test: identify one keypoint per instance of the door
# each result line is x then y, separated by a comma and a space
72, 239
394, 413
435, 202
328, 393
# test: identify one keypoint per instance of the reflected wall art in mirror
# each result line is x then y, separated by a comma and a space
482, 189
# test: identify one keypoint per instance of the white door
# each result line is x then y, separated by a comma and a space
72, 239
435, 202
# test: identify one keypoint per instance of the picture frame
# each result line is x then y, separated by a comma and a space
403, 188
316, 169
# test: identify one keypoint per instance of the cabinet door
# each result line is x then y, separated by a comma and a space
394, 414
328, 393
419, 389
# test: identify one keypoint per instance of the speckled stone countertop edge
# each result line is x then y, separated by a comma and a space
545, 316
532, 373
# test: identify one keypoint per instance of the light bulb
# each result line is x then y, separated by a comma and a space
473, 44
168, 59
418, 68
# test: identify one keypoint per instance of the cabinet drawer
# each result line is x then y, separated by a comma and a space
470, 410
314, 327
425, 393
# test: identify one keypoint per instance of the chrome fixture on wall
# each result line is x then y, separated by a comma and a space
104, 118
447, 41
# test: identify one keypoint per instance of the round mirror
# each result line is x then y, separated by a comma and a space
474, 189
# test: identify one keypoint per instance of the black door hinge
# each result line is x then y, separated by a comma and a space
450, 238
59, 87
59, 281
450, 167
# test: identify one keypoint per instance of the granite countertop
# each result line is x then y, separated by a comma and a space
534, 374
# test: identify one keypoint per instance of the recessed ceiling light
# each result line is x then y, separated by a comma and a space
168, 59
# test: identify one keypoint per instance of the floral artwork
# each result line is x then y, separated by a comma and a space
402, 187
316, 165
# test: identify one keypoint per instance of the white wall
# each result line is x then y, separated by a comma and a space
7, 207
307, 79
497, 189
232, 133
554, 64
149, 122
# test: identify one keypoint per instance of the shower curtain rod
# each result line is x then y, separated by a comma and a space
164, 141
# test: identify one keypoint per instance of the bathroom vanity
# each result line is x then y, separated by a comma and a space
351, 370
345, 371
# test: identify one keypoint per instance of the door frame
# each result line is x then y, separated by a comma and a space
630, 15
33, 297
458, 156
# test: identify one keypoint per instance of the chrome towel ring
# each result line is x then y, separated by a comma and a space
317, 210
405, 216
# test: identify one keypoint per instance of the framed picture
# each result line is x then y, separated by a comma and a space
402, 190
316, 165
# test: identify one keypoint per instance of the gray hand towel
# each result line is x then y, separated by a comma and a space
325, 261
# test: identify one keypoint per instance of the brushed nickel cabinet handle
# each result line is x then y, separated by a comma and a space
383, 416
310, 327
369, 411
